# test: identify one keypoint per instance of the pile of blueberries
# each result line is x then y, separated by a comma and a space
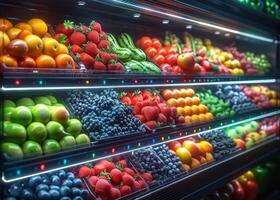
222, 144
157, 160
103, 115
235, 97
54, 186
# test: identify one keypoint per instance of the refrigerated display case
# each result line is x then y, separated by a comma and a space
132, 99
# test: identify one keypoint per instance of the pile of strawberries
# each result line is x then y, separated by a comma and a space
150, 109
112, 180
89, 44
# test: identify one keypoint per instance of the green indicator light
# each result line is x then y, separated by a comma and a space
93, 155
221, 124
168, 137
139, 144
41, 82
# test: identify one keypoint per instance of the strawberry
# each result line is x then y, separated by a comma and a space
84, 171
67, 27
119, 67
150, 112
152, 103
92, 172
82, 28
137, 108
116, 176
91, 49
147, 94
114, 193
147, 177
151, 124
108, 165
60, 37
157, 99
76, 49
111, 66
127, 179
137, 97
102, 177
146, 103
170, 119
98, 168
102, 186
165, 110
103, 44
86, 59
98, 65
173, 111
141, 118
136, 186
161, 118
125, 190
96, 26
180, 119
104, 196
129, 171
103, 35
123, 163
92, 180
105, 57
126, 100
93, 36
113, 56
142, 184
78, 38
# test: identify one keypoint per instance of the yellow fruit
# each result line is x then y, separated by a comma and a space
209, 116
13, 33
24, 26
4, 41
222, 58
62, 49
180, 111
227, 63
35, 45
273, 102
51, 47
5, 24
273, 94
39, 27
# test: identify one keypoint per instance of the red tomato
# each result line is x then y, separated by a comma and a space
162, 51
171, 59
165, 67
176, 69
156, 43
151, 52
145, 42
172, 50
187, 50
159, 59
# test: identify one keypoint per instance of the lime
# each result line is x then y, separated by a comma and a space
13, 132
21, 115
67, 142
8, 113
25, 101
11, 151
31, 148
74, 127
82, 139
41, 113
42, 100
51, 146
9, 103
37, 132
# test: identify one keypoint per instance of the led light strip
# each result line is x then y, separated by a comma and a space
138, 86
195, 21
129, 151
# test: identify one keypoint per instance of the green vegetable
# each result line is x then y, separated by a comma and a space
150, 66
134, 66
123, 54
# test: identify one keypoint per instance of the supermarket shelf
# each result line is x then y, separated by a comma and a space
68, 81
203, 181
16, 170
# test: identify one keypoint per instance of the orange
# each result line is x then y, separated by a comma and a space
39, 27
51, 47
171, 102
167, 94
35, 45
62, 49
24, 26
195, 163
13, 33
188, 119
194, 118
184, 93
273, 102
8, 61
45, 61
209, 116
202, 117
180, 111
176, 93
202, 108
190, 92
206, 147
47, 35
27, 62
5, 24
64, 61
188, 110
196, 100
181, 102
189, 101
195, 109
209, 157
4, 41
23, 34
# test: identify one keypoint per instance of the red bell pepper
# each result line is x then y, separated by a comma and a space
251, 190
238, 193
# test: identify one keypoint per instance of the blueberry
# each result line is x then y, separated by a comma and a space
76, 191
65, 191
27, 194
61, 174
85, 193
54, 194
35, 180
55, 180
15, 190
10, 198
78, 198
54, 187
77, 182
43, 195
70, 176
42, 187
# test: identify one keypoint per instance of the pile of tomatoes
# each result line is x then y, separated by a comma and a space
164, 56
30, 45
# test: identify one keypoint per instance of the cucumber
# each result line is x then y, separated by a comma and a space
150, 67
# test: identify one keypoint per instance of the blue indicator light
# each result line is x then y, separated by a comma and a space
139, 144
154, 141
65, 161
122, 81
40, 82
18, 172
93, 155
128, 147
151, 81
104, 82
171, 81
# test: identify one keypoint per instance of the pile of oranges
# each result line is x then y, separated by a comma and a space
30, 45
187, 105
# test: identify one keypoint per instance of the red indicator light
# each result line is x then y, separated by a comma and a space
17, 82
135, 81
167, 81
113, 150
42, 167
